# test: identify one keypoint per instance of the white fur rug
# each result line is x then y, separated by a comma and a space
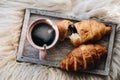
11, 17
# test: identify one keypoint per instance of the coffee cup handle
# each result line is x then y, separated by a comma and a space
42, 54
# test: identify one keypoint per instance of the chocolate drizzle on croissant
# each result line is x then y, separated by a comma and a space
84, 57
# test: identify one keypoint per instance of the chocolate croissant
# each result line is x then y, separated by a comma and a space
63, 27
84, 57
88, 30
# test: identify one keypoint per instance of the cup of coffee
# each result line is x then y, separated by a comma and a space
42, 34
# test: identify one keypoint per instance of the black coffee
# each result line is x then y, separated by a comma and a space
42, 34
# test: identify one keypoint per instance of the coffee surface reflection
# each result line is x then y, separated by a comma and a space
43, 34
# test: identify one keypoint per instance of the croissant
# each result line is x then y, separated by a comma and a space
63, 27
88, 30
84, 57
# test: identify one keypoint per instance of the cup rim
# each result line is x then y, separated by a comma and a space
42, 20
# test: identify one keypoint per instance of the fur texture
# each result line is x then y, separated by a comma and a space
11, 17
